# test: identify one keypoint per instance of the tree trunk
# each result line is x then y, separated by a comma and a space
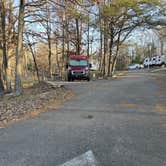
77, 37
49, 56
116, 55
101, 45
110, 49
34, 60
105, 47
19, 49
1, 86
114, 61
67, 38
63, 52
4, 51
48, 28
88, 40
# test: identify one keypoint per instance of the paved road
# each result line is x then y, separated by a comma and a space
122, 121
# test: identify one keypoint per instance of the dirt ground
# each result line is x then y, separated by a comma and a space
36, 99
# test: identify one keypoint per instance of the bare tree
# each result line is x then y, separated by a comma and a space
4, 46
19, 49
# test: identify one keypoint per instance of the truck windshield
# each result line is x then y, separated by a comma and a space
78, 62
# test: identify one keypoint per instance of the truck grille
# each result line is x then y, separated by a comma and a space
78, 72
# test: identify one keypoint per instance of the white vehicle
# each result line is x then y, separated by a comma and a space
161, 60
147, 62
134, 66
153, 61
141, 66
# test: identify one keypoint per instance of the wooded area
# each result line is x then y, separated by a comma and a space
37, 37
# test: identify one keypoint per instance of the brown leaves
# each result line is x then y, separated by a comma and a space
37, 99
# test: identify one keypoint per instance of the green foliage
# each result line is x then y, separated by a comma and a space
109, 11
74, 13
120, 7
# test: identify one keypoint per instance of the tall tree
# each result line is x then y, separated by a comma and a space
121, 17
4, 45
19, 49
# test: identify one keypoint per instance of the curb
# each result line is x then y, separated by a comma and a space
54, 84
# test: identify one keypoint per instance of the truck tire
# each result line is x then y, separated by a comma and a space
69, 79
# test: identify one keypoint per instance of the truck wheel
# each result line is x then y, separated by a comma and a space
88, 79
69, 79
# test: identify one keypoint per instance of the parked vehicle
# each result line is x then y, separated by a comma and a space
78, 67
141, 66
161, 60
147, 62
155, 61
135, 66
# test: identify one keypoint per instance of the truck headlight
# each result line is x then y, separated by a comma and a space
87, 69
69, 68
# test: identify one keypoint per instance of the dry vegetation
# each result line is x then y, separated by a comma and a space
36, 99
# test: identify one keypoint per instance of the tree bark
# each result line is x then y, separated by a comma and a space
34, 60
77, 37
116, 55
57, 58
88, 41
1, 86
19, 49
49, 55
105, 47
110, 49
4, 50
48, 29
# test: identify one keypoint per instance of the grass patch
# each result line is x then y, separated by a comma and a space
120, 71
160, 71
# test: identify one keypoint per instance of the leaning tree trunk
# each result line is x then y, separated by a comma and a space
19, 49
35, 63
116, 55
34, 58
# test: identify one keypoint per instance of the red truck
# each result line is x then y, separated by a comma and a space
78, 67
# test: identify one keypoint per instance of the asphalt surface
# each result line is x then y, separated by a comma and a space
122, 121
